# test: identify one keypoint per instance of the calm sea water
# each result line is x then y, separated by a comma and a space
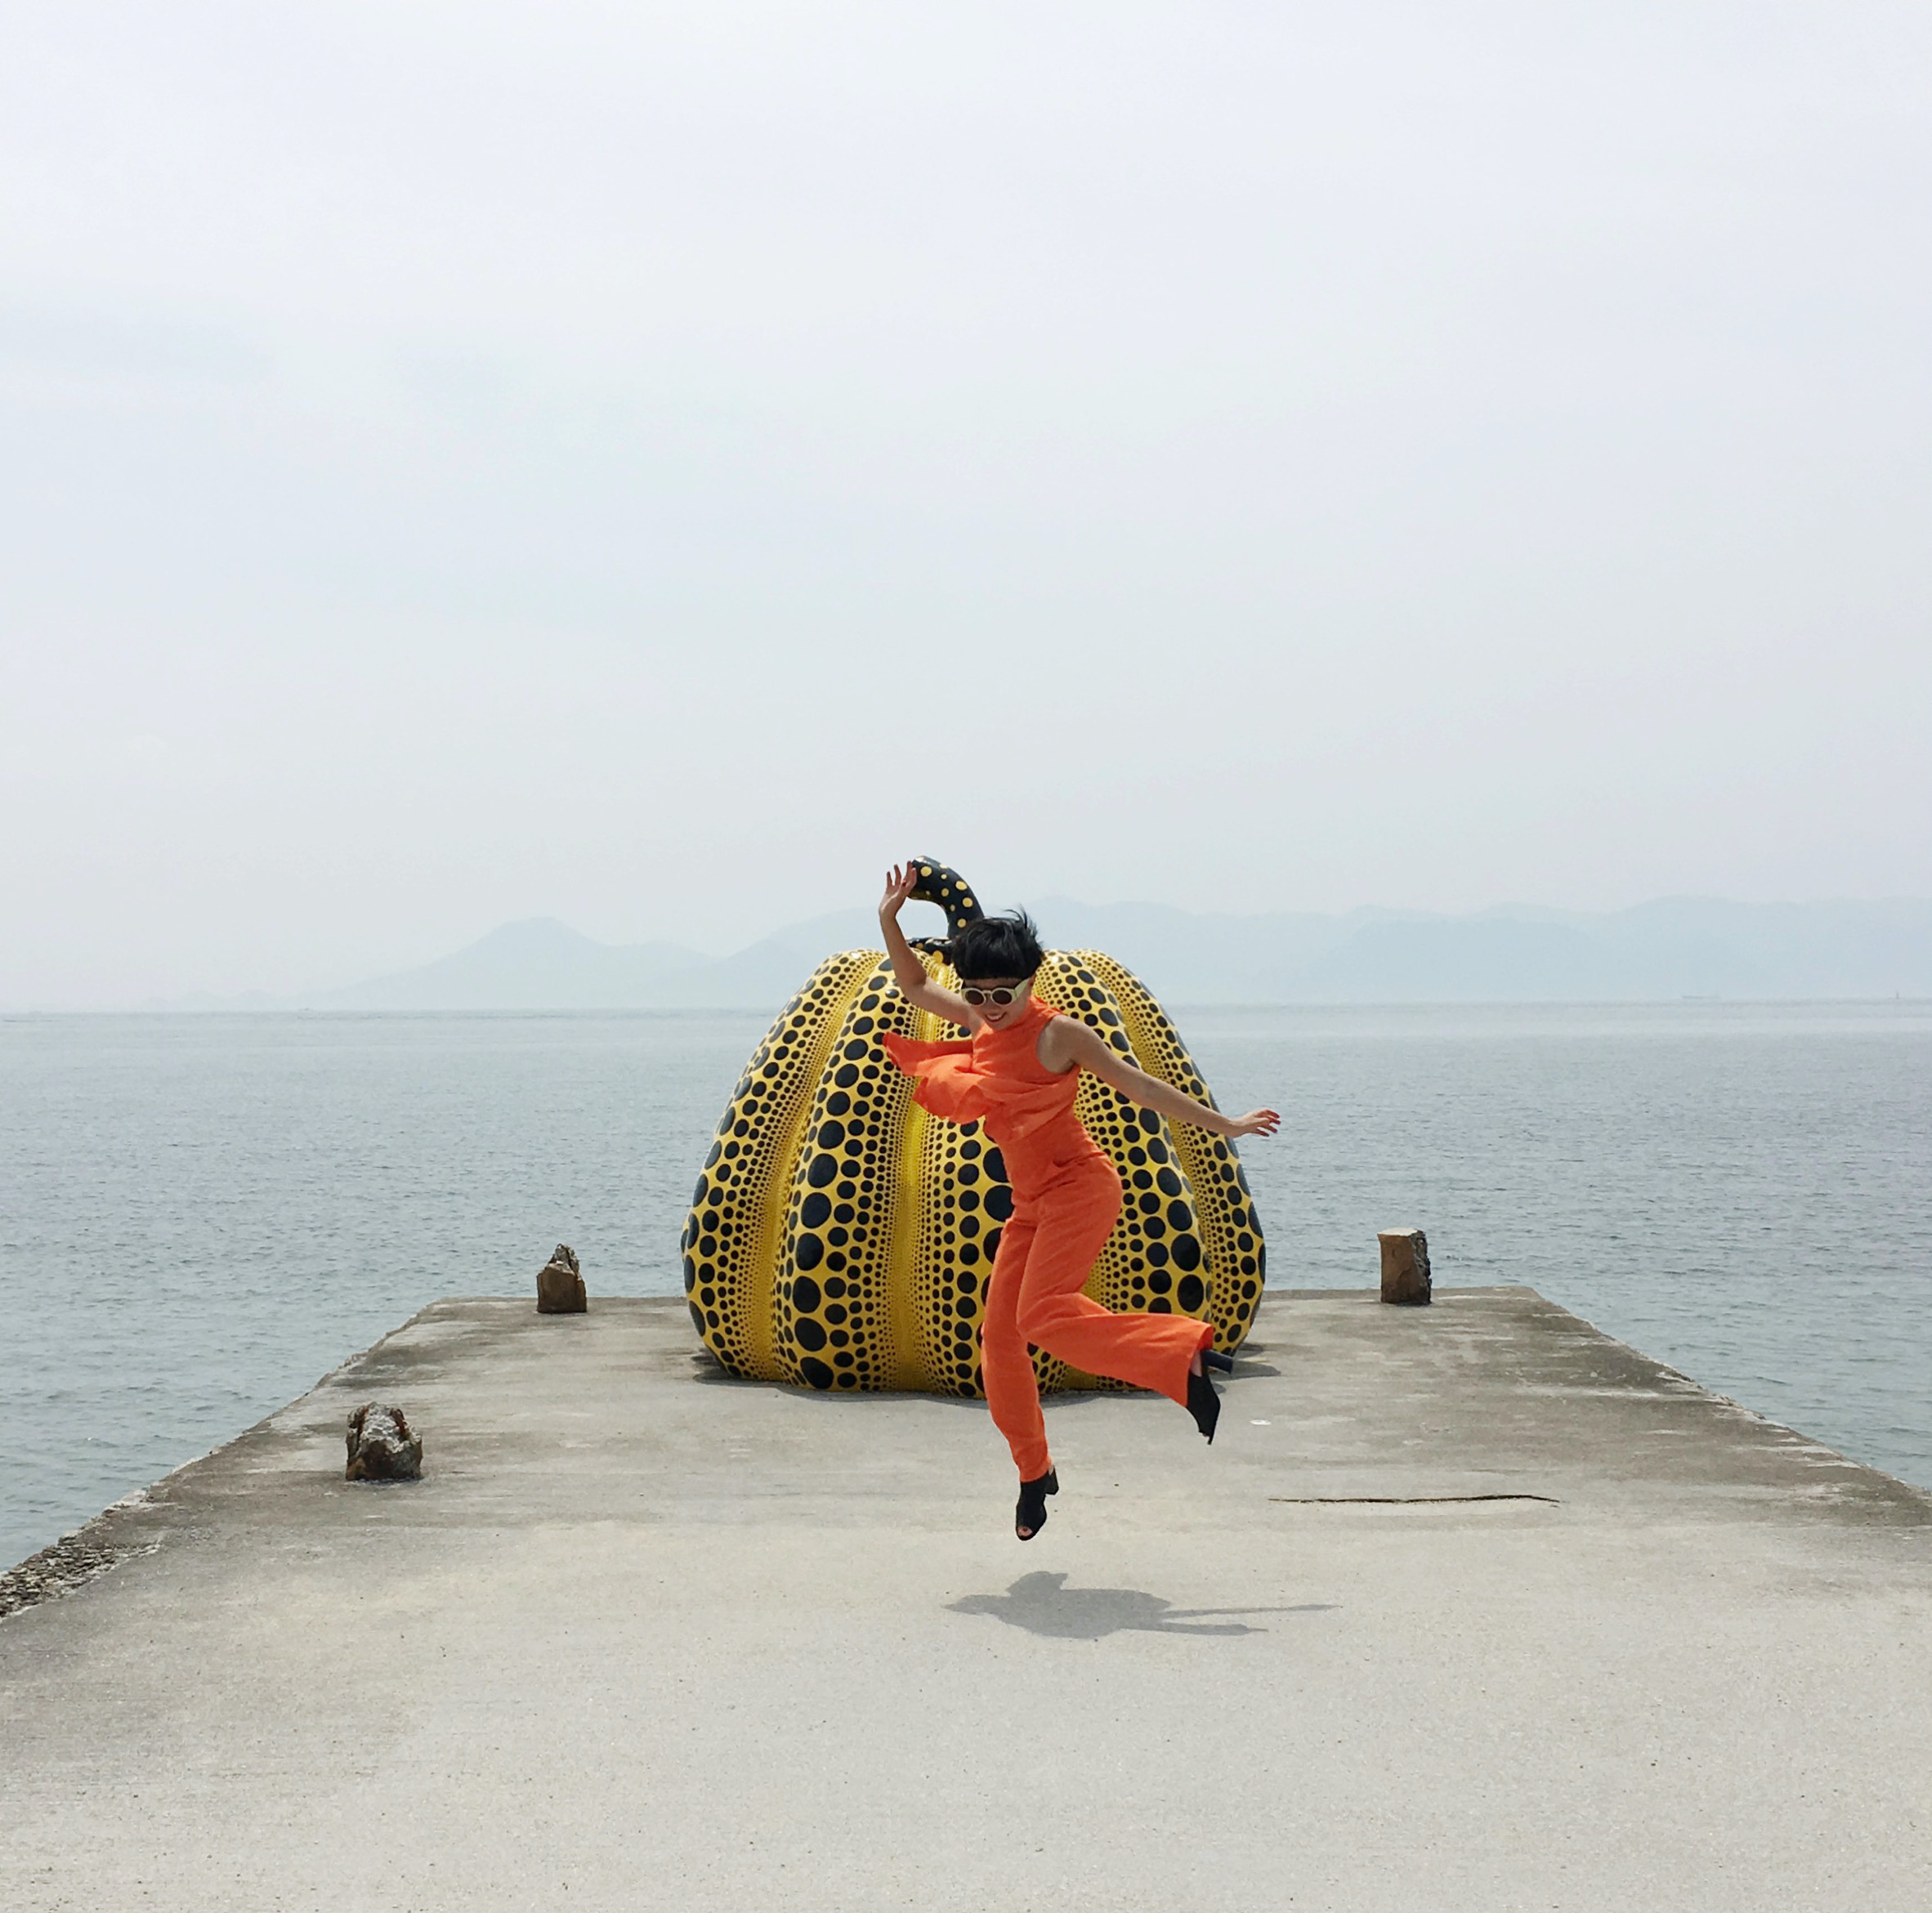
200, 1215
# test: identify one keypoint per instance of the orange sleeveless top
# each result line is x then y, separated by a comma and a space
996, 1078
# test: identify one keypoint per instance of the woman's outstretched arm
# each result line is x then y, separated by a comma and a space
914, 985
1067, 1041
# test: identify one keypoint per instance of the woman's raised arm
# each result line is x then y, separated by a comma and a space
914, 985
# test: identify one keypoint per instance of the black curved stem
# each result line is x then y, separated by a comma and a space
949, 890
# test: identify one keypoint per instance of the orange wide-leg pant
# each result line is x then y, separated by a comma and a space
1047, 1250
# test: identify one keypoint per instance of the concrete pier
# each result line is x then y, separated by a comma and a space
1469, 1607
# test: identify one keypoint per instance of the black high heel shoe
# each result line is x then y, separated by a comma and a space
1218, 1359
1203, 1403
1029, 1516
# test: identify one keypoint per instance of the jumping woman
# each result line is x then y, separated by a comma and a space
1017, 1074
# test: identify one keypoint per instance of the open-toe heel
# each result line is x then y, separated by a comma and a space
1029, 1517
1203, 1404
1218, 1359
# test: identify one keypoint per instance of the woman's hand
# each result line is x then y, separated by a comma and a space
1257, 1122
898, 887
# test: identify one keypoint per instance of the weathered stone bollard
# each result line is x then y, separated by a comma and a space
380, 1446
560, 1285
1405, 1265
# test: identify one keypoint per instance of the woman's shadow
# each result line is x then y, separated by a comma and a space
1044, 1604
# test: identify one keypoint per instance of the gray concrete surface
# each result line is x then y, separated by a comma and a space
645, 1637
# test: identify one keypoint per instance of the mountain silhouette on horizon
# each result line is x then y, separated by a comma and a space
1673, 948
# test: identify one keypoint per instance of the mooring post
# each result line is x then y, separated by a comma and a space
1405, 1265
560, 1285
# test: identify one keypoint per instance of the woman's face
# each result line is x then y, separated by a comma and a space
996, 1016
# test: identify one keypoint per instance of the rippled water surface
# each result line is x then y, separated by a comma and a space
200, 1215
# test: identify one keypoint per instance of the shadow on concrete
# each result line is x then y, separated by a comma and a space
1044, 1604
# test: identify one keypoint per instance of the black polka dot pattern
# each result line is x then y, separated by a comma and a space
1139, 1268
934, 882
832, 1311
728, 1236
1233, 1256
842, 1240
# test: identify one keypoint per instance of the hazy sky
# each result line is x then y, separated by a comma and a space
651, 464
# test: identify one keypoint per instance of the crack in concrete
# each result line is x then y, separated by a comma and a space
1403, 1500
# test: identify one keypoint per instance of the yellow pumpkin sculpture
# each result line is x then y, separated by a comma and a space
840, 1237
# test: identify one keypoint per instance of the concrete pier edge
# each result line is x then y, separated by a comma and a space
1494, 1609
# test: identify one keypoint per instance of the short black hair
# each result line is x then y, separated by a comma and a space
998, 947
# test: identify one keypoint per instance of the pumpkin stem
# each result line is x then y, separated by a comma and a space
948, 889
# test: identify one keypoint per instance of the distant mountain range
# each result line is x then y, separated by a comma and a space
1676, 947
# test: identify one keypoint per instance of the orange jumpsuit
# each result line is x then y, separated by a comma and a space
1066, 1198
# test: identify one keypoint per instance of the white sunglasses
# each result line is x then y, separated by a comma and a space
976, 996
